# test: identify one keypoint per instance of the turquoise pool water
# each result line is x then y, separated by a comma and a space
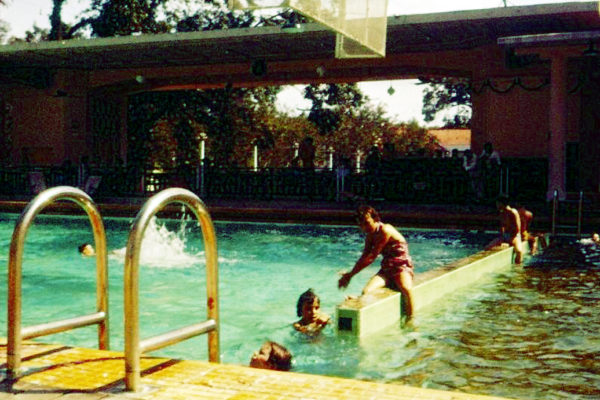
530, 333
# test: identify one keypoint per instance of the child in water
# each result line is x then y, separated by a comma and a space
272, 356
86, 249
309, 309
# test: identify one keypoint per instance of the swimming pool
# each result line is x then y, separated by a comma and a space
465, 343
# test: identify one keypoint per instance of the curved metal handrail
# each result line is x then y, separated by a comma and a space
133, 347
16, 334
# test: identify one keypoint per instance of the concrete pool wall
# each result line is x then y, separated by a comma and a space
370, 313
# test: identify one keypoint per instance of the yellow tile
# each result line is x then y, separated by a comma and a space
64, 369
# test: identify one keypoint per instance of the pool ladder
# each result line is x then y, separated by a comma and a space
133, 347
17, 333
570, 227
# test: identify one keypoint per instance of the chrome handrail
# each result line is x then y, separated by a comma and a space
133, 347
555, 210
16, 334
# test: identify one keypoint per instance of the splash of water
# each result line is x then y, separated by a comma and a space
163, 248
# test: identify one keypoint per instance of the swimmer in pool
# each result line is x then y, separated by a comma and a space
526, 217
396, 266
309, 309
596, 238
510, 229
86, 250
272, 356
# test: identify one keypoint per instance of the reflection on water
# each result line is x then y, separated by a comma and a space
532, 334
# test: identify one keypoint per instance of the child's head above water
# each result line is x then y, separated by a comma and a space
86, 249
308, 308
308, 304
272, 356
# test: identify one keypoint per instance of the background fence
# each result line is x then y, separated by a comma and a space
410, 180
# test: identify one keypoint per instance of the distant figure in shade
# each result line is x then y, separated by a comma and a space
488, 170
470, 166
396, 266
272, 356
489, 158
388, 156
312, 320
510, 228
86, 250
373, 161
306, 153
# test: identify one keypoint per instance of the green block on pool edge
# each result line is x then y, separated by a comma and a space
369, 313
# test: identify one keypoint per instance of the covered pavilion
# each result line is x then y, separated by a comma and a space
534, 73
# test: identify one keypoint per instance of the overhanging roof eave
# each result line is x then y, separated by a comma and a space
549, 39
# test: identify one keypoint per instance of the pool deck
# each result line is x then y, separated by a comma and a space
480, 217
68, 373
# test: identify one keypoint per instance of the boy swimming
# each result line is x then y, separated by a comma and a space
312, 320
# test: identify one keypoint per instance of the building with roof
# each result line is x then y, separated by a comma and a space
533, 73
451, 139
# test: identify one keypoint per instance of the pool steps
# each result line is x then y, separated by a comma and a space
367, 314
134, 347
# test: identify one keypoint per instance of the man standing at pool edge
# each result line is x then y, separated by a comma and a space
396, 266
510, 228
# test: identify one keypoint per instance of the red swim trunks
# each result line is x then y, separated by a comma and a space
395, 261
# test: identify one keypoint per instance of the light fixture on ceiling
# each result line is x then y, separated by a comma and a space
591, 51
391, 90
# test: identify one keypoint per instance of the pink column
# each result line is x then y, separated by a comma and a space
558, 126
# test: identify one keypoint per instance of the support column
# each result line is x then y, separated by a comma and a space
558, 126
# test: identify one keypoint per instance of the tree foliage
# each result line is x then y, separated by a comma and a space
444, 94
231, 118
125, 17
3, 30
330, 102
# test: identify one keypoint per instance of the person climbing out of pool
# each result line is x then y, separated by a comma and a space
272, 355
510, 228
86, 249
312, 320
396, 270
526, 217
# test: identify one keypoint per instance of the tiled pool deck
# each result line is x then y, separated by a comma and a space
61, 372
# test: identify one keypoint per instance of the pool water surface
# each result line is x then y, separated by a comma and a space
529, 333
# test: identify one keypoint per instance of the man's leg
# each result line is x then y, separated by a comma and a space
516, 243
376, 282
405, 282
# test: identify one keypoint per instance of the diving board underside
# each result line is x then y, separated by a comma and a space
373, 312
67, 373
